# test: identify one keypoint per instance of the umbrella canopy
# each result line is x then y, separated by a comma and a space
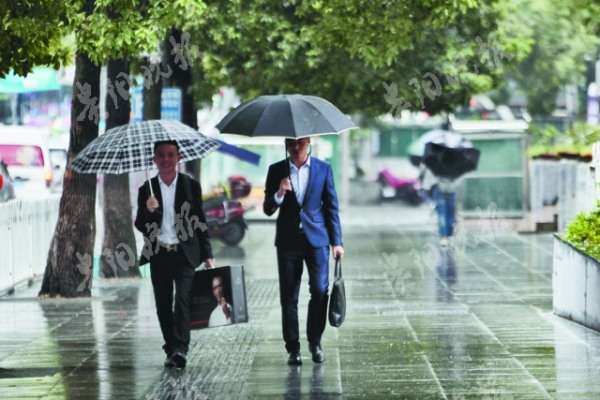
288, 116
417, 148
450, 162
129, 148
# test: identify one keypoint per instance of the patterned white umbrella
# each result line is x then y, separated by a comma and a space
129, 148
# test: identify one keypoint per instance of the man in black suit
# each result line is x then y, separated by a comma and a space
308, 223
176, 241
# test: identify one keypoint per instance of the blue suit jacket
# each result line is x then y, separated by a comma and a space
318, 211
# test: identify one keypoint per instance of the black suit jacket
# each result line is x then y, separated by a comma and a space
190, 222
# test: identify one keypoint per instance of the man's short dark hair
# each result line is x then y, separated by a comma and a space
173, 142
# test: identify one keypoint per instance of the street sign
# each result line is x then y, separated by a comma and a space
170, 104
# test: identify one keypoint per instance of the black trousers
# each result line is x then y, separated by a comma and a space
171, 270
291, 264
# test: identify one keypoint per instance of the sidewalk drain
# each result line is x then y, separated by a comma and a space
426, 312
15, 373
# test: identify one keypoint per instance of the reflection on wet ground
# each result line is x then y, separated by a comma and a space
472, 321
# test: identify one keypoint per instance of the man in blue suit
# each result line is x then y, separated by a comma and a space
307, 224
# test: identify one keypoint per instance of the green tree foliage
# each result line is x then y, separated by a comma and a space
31, 33
364, 57
375, 32
123, 29
558, 36
41, 32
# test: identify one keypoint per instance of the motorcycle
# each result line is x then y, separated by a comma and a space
225, 212
394, 188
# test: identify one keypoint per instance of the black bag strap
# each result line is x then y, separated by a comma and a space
338, 268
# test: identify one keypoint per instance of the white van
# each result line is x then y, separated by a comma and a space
58, 147
24, 150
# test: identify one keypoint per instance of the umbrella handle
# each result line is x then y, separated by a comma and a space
149, 184
288, 170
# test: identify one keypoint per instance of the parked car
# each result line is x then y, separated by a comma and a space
7, 190
25, 152
58, 148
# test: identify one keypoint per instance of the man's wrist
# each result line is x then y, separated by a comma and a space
278, 198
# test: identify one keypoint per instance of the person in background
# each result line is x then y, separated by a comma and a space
308, 223
443, 193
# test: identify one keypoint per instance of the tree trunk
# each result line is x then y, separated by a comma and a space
182, 78
151, 93
119, 251
70, 258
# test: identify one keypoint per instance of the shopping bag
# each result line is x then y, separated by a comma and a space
337, 300
218, 297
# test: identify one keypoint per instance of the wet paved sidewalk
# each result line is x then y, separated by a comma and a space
470, 322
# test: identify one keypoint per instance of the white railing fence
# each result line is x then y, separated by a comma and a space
26, 230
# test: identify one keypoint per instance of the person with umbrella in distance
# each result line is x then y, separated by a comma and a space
308, 223
446, 159
443, 193
170, 217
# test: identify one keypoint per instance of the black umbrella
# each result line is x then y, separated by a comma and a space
291, 116
416, 149
287, 116
450, 162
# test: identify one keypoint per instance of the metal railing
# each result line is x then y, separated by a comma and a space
26, 230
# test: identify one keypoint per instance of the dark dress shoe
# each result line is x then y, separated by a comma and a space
317, 353
169, 363
179, 359
294, 358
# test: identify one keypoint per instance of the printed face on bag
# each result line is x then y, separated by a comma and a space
217, 285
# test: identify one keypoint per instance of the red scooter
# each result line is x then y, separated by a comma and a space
391, 188
225, 212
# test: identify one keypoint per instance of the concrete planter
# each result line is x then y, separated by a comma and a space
575, 285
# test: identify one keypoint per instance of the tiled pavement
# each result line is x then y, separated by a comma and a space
471, 322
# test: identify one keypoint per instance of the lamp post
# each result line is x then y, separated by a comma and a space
592, 104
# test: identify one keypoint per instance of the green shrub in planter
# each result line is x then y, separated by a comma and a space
548, 140
584, 232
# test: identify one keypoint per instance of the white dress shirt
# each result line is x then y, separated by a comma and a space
167, 233
217, 317
299, 178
